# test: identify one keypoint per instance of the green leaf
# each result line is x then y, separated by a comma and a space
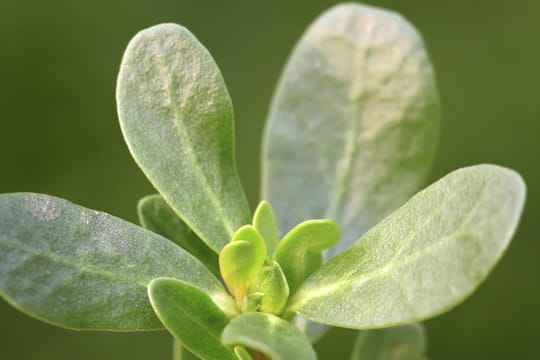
191, 316
273, 285
157, 216
177, 119
397, 343
250, 234
84, 269
275, 337
265, 223
300, 251
240, 262
422, 260
353, 124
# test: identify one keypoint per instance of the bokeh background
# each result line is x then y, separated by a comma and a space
59, 135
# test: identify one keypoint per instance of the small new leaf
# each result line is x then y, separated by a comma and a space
191, 316
250, 234
423, 259
299, 253
273, 285
275, 337
240, 262
265, 223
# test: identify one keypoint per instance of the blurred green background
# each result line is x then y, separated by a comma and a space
59, 135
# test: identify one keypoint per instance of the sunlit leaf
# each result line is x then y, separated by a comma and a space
265, 223
422, 260
177, 119
353, 124
300, 251
84, 269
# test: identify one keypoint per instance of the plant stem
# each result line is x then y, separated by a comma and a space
177, 355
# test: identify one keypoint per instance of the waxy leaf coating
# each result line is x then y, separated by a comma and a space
177, 119
191, 316
84, 269
353, 124
406, 342
155, 215
269, 334
423, 259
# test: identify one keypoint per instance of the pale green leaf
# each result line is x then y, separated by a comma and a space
239, 263
265, 223
275, 337
177, 119
84, 269
157, 216
406, 342
300, 251
354, 122
273, 285
422, 260
191, 316
250, 234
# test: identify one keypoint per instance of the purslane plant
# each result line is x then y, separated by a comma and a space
339, 240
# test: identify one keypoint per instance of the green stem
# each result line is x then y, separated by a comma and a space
177, 349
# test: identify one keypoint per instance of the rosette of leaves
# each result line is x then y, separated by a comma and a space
349, 242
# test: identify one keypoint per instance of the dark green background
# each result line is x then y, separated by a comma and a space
59, 135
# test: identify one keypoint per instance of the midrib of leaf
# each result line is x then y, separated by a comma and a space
350, 150
183, 133
194, 319
86, 269
396, 264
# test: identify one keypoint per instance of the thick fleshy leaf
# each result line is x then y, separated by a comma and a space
250, 234
265, 223
239, 263
157, 216
354, 122
84, 269
177, 119
273, 285
275, 337
191, 316
422, 260
300, 251
406, 342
